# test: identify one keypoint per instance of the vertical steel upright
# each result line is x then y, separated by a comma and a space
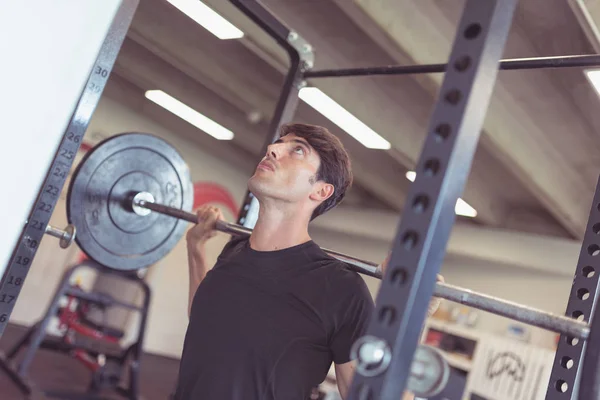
573, 355
385, 353
301, 59
22, 258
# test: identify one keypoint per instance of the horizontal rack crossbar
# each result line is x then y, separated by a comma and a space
590, 60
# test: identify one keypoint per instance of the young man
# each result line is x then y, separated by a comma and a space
275, 311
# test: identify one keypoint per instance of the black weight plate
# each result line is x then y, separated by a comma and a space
108, 231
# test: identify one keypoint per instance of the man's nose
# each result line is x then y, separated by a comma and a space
273, 151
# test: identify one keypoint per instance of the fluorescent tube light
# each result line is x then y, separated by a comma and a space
188, 114
342, 118
208, 18
462, 207
593, 76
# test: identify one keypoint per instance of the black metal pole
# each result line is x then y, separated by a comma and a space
591, 60
385, 352
582, 299
300, 54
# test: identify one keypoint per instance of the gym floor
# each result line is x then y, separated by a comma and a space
52, 370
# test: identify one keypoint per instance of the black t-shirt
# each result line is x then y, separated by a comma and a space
268, 325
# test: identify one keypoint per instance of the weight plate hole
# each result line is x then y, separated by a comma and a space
387, 315
583, 294
398, 276
420, 203
462, 64
472, 31
572, 341
567, 362
593, 250
453, 96
561, 386
409, 240
442, 132
589, 272
578, 315
432, 167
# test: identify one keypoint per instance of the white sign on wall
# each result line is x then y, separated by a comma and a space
511, 370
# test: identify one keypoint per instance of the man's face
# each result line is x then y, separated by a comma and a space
287, 172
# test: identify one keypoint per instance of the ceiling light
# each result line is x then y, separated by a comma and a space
342, 118
593, 76
208, 18
188, 114
462, 207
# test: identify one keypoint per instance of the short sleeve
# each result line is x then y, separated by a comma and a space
352, 316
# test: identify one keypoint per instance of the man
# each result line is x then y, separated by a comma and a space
268, 320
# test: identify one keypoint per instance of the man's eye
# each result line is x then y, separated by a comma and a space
299, 150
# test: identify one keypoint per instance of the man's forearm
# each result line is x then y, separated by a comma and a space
197, 270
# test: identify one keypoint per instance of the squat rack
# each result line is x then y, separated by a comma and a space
442, 170
423, 232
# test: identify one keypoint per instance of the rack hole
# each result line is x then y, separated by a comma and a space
583, 293
589, 272
453, 96
398, 276
567, 362
432, 167
420, 203
472, 31
596, 228
442, 131
572, 340
387, 315
578, 315
462, 63
593, 250
409, 240
561, 386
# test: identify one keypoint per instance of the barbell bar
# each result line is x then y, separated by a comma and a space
143, 202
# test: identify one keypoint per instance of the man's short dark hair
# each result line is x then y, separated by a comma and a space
335, 167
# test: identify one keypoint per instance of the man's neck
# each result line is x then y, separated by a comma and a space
278, 229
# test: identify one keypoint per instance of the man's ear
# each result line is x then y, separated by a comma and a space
322, 191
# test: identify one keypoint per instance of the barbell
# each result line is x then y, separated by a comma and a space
131, 198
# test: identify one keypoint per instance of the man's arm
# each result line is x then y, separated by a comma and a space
196, 238
345, 371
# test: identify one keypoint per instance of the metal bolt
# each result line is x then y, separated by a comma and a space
138, 201
373, 355
371, 352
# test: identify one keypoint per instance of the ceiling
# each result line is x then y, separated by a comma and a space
538, 160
